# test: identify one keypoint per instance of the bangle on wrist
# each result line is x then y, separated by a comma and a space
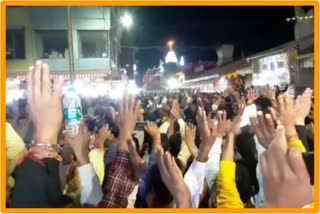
55, 147
42, 151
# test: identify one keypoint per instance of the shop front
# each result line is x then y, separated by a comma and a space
276, 67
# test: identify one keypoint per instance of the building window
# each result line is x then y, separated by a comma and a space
51, 44
93, 44
15, 44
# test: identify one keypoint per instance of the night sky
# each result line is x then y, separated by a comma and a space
250, 29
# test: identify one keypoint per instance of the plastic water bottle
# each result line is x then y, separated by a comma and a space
72, 111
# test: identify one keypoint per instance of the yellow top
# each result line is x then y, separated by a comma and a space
14, 149
96, 157
227, 193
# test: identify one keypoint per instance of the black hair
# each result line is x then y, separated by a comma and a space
244, 181
245, 145
164, 141
162, 194
263, 104
114, 129
136, 142
101, 112
175, 142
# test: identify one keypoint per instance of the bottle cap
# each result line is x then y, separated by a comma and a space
71, 89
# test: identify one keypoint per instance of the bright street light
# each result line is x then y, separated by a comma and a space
170, 43
126, 20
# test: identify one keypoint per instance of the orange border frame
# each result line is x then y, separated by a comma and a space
160, 3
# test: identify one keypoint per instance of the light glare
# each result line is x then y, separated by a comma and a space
126, 20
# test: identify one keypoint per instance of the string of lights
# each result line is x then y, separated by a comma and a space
299, 18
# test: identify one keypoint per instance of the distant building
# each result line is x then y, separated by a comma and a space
41, 33
304, 36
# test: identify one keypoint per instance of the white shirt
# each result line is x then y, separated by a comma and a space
213, 166
259, 197
165, 126
132, 197
91, 191
194, 179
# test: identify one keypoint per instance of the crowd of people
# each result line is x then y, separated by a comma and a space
235, 149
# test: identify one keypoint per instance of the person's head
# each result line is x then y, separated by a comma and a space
245, 145
110, 114
100, 113
159, 196
184, 102
263, 104
164, 110
175, 142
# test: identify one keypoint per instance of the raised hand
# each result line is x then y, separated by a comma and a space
202, 121
263, 127
235, 125
302, 106
80, 143
128, 114
172, 177
44, 100
286, 182
252, 96
222, 124
189, 139
228, 148
175, 110
271, 92
208, 136
103, 135
153, 130
287, 116
139, 165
